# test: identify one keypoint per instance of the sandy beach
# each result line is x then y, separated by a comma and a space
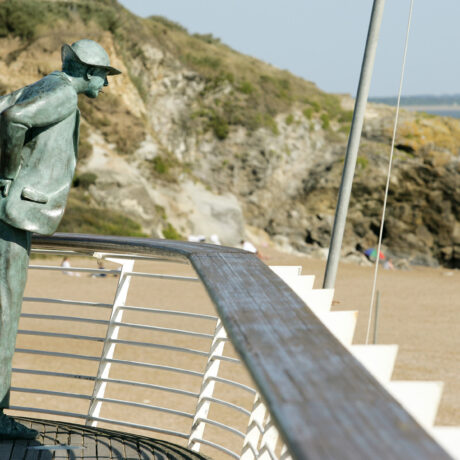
419, 311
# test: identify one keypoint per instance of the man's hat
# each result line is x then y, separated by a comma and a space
90, 53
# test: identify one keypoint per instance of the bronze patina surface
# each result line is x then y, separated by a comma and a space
39, 127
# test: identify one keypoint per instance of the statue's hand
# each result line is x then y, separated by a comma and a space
5, 185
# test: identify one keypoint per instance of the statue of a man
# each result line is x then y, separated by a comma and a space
39, 126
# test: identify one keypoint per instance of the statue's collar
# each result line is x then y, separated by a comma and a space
63, 75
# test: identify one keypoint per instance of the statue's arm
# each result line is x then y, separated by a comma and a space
9, 99
40, 111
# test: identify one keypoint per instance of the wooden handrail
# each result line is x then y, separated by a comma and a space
325, 404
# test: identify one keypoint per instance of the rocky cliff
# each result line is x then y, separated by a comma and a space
195, 138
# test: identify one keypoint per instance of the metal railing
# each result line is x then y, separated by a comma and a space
101, 358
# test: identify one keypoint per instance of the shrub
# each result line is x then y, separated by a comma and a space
84, 180
207, 38
289, 119
203, 61
308, 113
170, 233
346, 116
160, 166
325, 123
219, 126
168, 23
246, 87
22, 19
362, 162
81, 218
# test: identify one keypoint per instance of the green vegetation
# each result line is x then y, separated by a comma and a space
325, 122
208, 38
346, 116
362, 162
27, 19
168, 23
81, 217
160, 166
289, 119
161, 211
219, 126
238, 90
170, 233
84, 180
308, 113
166, 166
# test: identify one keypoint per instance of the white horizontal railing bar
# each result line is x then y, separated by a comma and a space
61, 335
150, 386
164, 277
58, 252
50, 393
216, 446
104, 255
228, 404
56, 354
54, 374
117, 381
141, 427
47, 411
74, 269
105, 322
146, 406
233, 383
64, 318
222, 426
155, 366
67, 302
168, 312
157, 345
164, 329
226, 358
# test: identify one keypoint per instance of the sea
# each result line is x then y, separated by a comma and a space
441, 111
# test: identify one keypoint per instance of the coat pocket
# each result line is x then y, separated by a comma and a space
30, 194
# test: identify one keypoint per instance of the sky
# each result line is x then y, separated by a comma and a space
323, 40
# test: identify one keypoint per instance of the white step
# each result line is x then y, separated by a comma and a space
341, 323
301, 284
286, 272
420, 399
318, 300
448, 437
379, 360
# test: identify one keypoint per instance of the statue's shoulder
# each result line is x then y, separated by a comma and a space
55, 88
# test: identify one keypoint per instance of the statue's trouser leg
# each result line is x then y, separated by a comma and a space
14, 259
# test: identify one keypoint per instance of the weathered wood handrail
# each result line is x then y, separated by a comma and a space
324, 402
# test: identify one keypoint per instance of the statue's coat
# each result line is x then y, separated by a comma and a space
37, 196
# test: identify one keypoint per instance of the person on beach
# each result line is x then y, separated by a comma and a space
39, 128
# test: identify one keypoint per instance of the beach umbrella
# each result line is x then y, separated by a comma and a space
372, 254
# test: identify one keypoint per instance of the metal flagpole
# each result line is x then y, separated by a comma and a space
353, 144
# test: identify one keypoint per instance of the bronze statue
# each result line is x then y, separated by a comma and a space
39, 127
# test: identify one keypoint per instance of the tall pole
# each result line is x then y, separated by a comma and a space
353, 145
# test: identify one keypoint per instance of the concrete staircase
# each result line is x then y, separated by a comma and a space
420, 399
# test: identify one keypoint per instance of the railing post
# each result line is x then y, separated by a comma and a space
207, 387
285, 455
250, 449
112, 334
269, 440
